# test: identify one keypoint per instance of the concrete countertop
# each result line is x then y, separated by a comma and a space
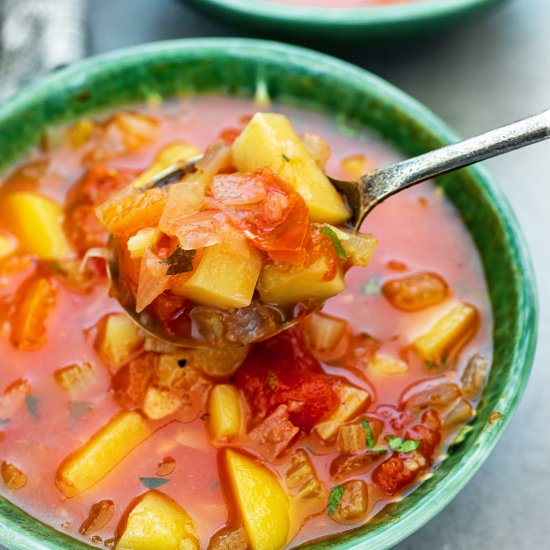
487, 72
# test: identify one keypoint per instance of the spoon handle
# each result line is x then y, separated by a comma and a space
382, 183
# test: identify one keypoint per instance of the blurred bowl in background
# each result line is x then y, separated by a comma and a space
307, 23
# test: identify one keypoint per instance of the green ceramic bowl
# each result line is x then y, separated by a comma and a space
235, 66
343, 24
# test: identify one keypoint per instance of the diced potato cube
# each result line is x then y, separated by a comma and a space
448, 334
385, 365
104, 450
226, 276
158, 523
225, 414
118, 338
359, 248
352, 401
34, 301
143, 240
160, 402
76, 378
8, 245
81, 132
269, 141
282, 287
166, 157
37, 223
261, 502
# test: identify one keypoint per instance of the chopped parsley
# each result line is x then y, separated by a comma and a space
373, 286
368, 432
401, 445
31, 401
335, 242
180, 261
285, 158
153, 482
334, 498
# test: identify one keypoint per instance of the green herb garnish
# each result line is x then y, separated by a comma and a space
373, 286
285, 158
335, 242
180, 261
401, 445
272, 380
368, 432
153, 482
31, 401
334, 498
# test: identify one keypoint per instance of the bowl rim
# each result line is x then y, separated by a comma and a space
74, 76
398, 15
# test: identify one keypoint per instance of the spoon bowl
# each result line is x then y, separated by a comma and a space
210, 327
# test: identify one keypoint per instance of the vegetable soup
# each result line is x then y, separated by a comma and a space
126, 441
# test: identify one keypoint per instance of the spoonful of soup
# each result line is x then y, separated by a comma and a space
234, 245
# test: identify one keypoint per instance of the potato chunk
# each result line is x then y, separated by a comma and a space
261, 502
225, 277
282, 287
269, 141
224, 408
37, 223
351, 400
449, 333
157, 522
105, 449
118, 339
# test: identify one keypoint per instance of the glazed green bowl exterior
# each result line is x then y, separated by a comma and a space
306, 23
236, 66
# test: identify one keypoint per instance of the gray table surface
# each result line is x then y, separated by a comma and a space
487, 72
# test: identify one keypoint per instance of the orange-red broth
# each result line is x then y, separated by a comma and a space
418, 230
341, 3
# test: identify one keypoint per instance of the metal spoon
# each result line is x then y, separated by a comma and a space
361, 196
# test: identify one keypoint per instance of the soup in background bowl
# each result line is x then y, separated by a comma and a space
344, 21
210, 87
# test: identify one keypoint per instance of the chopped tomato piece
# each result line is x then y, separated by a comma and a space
131, 381
34, 301
280, 223
279, 373
428, 432
82, 225
395, 473
229, 135
127, 216
275, 434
